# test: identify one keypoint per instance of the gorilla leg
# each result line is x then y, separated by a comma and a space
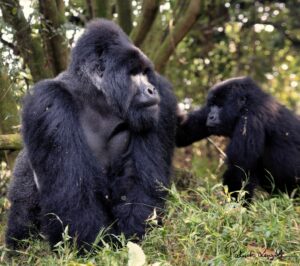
24, 212
234, 178
132, 205
133, 211
85, 223
22, 222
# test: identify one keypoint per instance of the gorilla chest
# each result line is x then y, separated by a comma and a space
106, 135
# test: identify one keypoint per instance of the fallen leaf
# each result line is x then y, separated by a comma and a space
136, 256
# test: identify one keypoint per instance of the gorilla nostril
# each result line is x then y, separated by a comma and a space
150, 91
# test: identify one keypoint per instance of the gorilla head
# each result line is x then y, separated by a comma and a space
226, 104
106, 60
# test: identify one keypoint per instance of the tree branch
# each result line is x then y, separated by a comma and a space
102, 8
9, 115
8, 44
125, 15
278, 26
176, 34
98, 8
8, 107
11, 142
147, 17
90, 9
53, 21
29, 47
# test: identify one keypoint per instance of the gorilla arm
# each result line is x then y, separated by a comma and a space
247, 142
67, 174
192, 127
243, 153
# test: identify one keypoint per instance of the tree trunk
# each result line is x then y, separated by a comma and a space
54, 34
102, 8
9, 117
177, 33
125, 15
29, 47
98, 9
147, 17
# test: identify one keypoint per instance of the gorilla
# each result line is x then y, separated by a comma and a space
98, 144
264, 148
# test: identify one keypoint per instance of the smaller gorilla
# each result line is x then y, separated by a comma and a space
264, 136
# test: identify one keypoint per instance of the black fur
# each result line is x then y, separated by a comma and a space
78, 185
264, 136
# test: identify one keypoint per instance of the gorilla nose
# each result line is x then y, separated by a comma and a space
150, 90
148, 97
212, 118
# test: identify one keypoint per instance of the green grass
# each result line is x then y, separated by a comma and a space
202, 226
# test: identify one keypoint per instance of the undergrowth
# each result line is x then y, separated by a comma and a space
201, 226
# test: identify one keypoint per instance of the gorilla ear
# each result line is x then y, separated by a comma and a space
242, 101
242, 98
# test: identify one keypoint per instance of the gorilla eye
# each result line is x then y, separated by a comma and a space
216, 102
146, 71
242, 100
134, 71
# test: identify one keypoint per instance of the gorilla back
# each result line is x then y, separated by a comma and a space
98, 142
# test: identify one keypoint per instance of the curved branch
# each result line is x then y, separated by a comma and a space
147, 17
176, 34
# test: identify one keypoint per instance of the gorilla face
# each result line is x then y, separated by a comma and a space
129, 84
122, 73
226, 104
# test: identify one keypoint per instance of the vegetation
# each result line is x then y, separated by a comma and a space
194, 44
202, 226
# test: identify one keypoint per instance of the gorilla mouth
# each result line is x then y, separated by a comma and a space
214, 128
151, 103
218, 130
212, 125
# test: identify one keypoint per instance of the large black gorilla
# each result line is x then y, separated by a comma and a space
98, 142
264, 136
